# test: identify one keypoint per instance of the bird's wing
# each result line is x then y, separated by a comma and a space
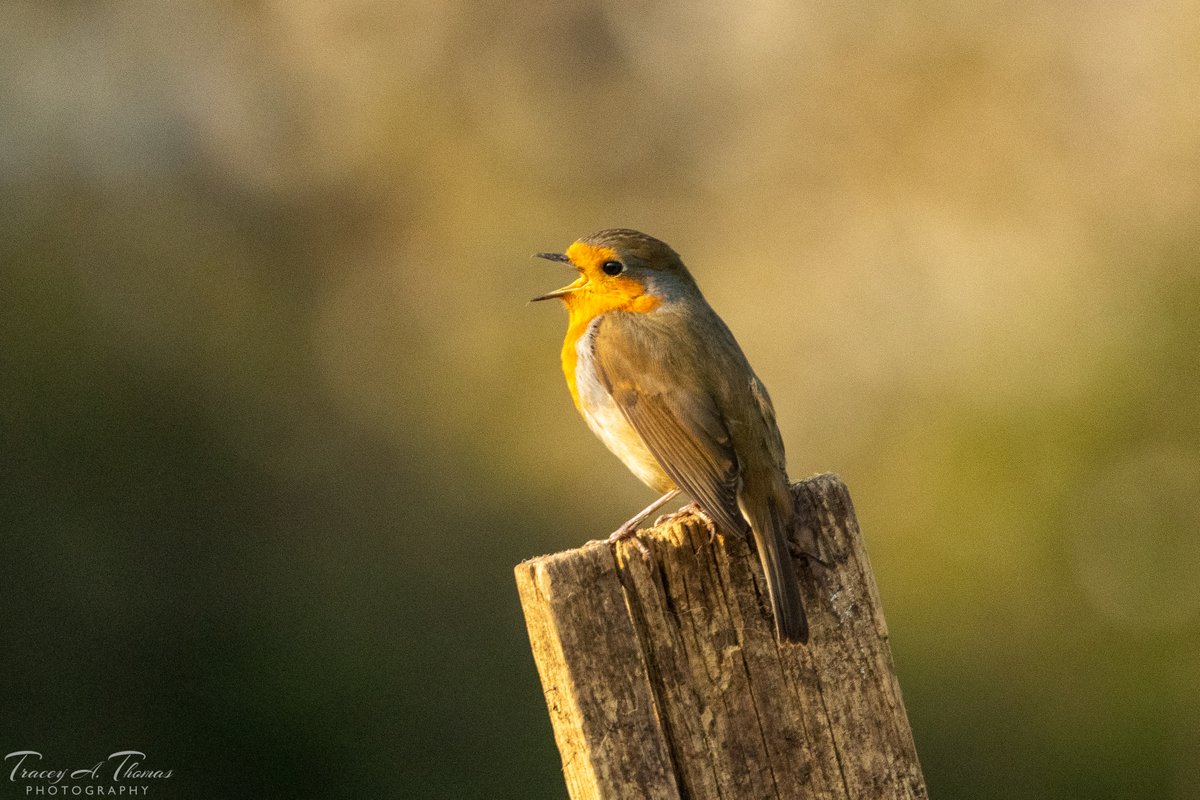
773, 440
672, 411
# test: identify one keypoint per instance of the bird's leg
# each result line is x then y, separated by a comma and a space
630, 528
692, 508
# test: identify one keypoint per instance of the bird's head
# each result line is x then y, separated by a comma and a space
620, 269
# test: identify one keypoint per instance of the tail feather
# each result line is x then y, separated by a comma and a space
770, 537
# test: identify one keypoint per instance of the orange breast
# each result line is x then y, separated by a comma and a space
570, 358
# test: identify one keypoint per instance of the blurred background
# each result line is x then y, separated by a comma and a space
278, 419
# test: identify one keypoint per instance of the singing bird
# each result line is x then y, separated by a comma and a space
659, 378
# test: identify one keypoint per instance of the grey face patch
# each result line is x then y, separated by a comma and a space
665, 285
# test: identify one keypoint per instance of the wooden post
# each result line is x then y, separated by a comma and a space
664, 680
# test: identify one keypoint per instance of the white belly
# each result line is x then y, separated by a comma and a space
607, 421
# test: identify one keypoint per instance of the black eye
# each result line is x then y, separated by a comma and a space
612, 267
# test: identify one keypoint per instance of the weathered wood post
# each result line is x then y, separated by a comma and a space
664, 680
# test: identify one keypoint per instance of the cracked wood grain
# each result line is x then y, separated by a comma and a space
663, 679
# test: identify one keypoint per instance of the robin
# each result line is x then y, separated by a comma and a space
660, 379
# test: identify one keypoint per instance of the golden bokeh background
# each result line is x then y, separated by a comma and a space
278, 419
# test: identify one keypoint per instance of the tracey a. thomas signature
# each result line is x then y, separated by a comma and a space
123, 773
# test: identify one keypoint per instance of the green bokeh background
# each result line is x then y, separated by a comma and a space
278, 420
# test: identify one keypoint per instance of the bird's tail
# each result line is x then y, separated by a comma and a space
771, 526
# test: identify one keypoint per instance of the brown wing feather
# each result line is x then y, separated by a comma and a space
675, 416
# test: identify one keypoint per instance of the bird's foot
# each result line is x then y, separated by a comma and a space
691, 509
629, 531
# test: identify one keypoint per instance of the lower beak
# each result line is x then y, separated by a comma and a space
566, 290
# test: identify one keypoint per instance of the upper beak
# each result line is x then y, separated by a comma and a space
557, 292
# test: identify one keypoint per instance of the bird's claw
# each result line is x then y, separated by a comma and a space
630, 532
692, 509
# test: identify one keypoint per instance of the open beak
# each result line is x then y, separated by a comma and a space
578, 284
